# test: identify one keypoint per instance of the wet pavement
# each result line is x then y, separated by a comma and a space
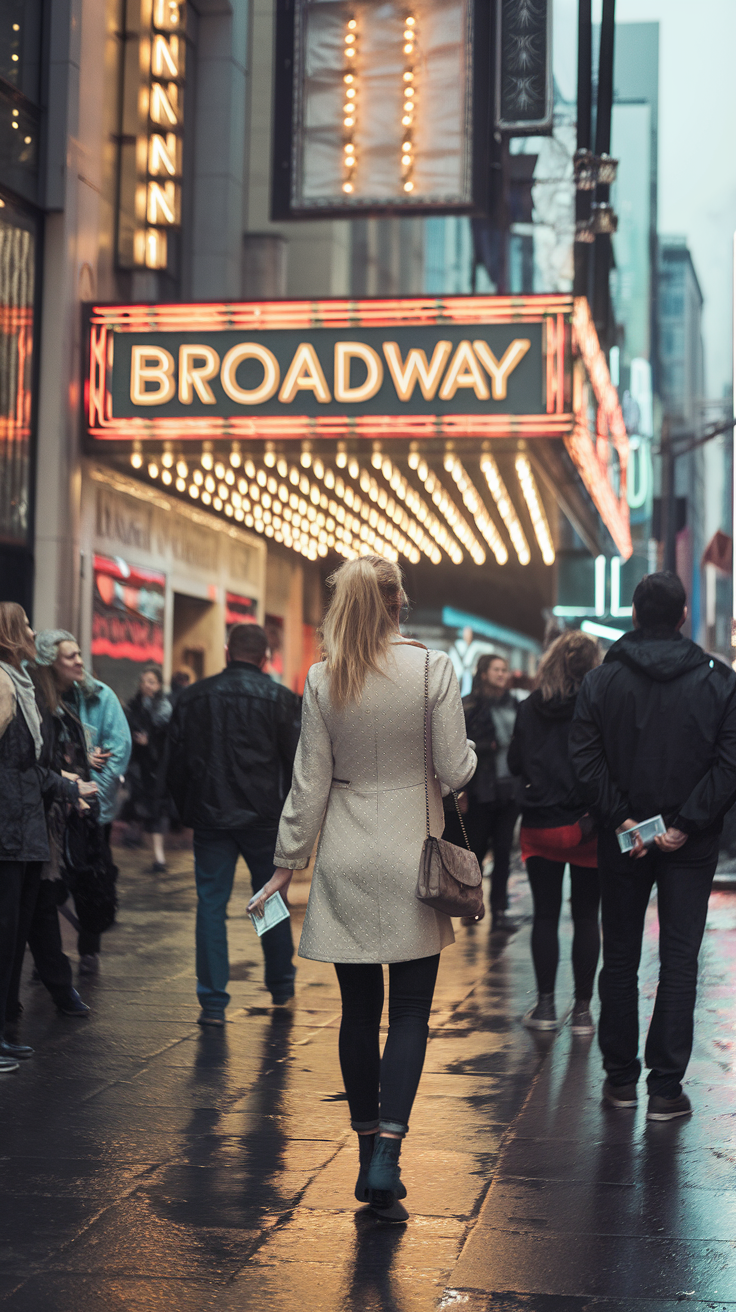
149, 1164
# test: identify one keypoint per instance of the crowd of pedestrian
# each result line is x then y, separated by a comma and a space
380, 759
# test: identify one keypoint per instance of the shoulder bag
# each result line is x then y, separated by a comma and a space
449, 876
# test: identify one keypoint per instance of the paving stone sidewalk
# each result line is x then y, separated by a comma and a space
147, 1164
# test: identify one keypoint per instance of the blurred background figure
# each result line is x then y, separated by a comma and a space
149, 714
555, 829
180, 680
492, 807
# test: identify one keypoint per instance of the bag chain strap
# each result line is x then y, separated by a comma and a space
426, 777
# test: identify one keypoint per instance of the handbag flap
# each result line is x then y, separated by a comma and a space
457, 861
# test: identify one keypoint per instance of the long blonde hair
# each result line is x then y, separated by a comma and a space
566, 663
362, 617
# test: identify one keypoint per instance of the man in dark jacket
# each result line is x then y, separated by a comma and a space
232, 743
490, 714
655, 733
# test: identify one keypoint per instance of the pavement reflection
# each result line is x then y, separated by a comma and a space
148, 1164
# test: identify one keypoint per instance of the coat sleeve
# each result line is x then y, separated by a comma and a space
177, 771
304, 809
453, 758
114, 734
587, 754
716, 791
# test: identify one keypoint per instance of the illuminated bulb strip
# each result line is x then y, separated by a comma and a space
408, 107
350, 106
506, 509
457, 522
423, 512
474, 503
536, 509
386, 542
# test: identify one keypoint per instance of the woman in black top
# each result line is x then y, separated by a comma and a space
149, 713
555, 830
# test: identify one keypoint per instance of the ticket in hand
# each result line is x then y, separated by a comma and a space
647, 830
274, 911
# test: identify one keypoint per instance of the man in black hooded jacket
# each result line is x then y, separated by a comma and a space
655, 733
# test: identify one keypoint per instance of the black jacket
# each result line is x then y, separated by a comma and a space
25, 783
480, 726
655, 732
232, 742
539, 754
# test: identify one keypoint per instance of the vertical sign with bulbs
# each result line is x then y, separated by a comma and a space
151, 132
381, 108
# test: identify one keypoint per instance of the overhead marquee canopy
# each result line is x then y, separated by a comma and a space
396, 413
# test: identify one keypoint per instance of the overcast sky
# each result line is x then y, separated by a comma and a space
697, 143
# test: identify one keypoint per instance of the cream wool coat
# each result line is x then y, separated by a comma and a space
359, 778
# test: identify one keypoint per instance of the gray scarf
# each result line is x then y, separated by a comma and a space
26, 698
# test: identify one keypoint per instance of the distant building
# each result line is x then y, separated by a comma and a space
699, 473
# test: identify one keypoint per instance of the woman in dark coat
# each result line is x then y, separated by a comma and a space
149, 713
555, 829
25, 780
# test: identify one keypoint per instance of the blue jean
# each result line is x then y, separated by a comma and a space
216, 854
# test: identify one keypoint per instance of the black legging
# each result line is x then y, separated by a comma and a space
396, 1075
545, 878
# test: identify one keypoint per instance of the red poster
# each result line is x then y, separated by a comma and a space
127, 622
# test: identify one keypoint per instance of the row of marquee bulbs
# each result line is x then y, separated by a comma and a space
298, 513
350, 108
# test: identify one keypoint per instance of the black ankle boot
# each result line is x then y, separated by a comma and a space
384, 1181
366, 1144
365, 1148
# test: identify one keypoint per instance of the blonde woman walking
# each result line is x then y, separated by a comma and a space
359, 777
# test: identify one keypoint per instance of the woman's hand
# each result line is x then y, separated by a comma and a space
87, 788
278, 883
99, 757
141, 738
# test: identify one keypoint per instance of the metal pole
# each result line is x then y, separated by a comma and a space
733, 473
585, 95
602, 254
668, 503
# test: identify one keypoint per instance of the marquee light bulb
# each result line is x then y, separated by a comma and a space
410, 22
182, 468
153, 469
408, 186
136, 459
167, 460
207, 461
181, 485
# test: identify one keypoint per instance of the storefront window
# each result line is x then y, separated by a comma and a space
17, 264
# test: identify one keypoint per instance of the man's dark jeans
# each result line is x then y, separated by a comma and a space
216, 853
683, 880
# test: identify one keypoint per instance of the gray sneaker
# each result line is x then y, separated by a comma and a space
8, 1064
620, 1095
543, 1016
581, 1021
666, 1109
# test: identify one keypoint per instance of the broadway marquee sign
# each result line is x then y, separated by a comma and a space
463, 366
